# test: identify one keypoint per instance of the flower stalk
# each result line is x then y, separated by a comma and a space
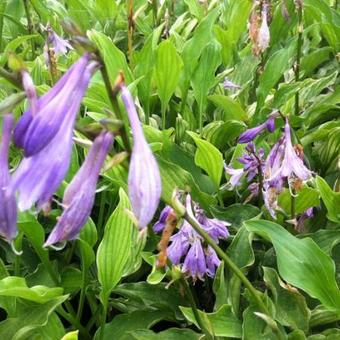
298, 55
232, 266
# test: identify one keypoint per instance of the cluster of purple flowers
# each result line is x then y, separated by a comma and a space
45, 133
187, 248
284, 164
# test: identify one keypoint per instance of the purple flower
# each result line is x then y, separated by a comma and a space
194, 264
187, 244
229, 85
236, 175
248, 135
80, 193
29, 88
34, 131
212, 261
287, 164
214, 227
160, 224
8, 208
59, 44
38, 177
144, 178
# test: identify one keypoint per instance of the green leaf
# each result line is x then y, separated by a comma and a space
330, 198
71, 336
223, 322
168, 67
209, 158
231, 108
169, 334
301, 263
122, 324
290, 305
236, 213
30, 318
306, 198
203, 78
277, 64
17, 287
114, 249
114, 58
326, 239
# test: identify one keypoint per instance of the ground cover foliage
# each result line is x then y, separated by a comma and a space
239, 105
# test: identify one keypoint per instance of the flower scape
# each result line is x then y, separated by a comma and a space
169, 169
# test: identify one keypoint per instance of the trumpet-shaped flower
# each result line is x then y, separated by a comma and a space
144, 179
8, 208
39, 176
59, 44
35, 130
80, 193
187, 248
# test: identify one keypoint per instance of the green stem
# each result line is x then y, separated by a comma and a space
154, 11
298, 59
100, 224
82, 294
11, 77
197, 316
29, 25
93, 318
130, 29
2, 12
163, 117
232, 266
83, 331
114, 103
102, 326
292, 205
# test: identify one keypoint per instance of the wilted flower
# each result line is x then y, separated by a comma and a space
34, 131
263, 34
248, 135
235, 175
59, 44
299, 222
8, 209
187, 248
144, 178
39, 176
80, 193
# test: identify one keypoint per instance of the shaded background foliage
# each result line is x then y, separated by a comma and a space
174, 58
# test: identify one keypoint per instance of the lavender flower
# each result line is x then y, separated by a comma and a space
248, 135
283, 163
59, 44
144, 178
187, 248
80, 193
160, 224
29, 88
264, 34
229, 85
34, 131
292, 165
8, 209
253, 165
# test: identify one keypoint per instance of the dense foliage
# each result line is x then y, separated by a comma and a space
218, 217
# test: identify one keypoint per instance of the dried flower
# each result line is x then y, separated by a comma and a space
80, 193
34, 131
263, 34
8, 209
144, 178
